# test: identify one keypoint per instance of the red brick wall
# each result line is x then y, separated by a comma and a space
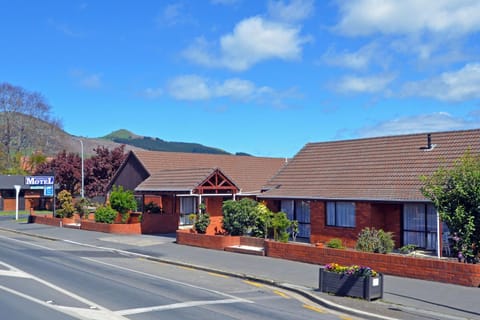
159, 223
251, 241
206, 241
214, 208
380, 216
131, 228
392, 264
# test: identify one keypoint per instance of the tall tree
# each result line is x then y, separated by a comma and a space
100, 168
455, 192
66, 167
19, 109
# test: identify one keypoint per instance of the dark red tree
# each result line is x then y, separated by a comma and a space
100, 168
66, 167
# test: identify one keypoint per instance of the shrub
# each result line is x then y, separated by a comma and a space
263, 221
82, 206
335, 243
280, 224
201, 223
66, 208
239, 216
122, 201
408, 248
105, 214
373, 240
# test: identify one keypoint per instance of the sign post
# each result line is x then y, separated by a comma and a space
17, 192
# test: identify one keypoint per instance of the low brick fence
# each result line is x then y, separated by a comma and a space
122, 228
432, 269
216, 242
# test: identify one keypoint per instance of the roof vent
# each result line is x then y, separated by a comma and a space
429, 145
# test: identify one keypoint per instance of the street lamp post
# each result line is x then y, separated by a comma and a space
82, 191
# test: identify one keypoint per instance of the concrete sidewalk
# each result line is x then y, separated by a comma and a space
404, 298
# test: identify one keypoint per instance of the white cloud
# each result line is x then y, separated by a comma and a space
193, 87
189, 87
294, 11
174, 14
458, 85
364, 17
89, 81
440, 121
358, 60
367, 84
252, 41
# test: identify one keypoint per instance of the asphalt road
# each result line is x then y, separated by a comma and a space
43, 279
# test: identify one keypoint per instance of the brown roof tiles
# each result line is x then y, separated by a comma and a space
384, 168
248, 173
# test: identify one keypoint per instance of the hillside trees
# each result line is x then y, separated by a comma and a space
19, 109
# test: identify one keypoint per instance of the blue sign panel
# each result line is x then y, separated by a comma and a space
39, 180
48, 191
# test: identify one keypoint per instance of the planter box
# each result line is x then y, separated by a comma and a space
367, 288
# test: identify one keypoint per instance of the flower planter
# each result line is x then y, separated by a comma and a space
364, 287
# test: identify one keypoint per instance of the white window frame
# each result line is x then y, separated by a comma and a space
188, 205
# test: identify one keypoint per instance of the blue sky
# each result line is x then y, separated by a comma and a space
262, 77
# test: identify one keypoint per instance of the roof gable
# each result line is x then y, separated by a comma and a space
248, 173
195, 180
383, 168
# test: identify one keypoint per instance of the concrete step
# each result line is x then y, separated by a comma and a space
258, 251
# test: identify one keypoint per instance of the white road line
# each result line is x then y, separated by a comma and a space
28, 243
78, 313
169, 280
174, 306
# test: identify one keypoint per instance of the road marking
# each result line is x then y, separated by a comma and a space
168, 280
28, 243
179, 305
83, 314
281, 294
252, 283
316, 309
218, 275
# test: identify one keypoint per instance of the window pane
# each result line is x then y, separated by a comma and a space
287, 207
414, 216
345, 214
330, 213
187, 205
302, 210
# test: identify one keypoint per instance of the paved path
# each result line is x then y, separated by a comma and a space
404, 298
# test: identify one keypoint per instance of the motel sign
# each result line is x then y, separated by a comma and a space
39, 180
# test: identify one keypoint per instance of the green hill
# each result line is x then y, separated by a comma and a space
155, 144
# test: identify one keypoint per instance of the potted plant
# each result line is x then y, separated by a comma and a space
354, 281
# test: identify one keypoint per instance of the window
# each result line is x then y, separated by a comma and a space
341, 214
187, 207
420, 225
298, 210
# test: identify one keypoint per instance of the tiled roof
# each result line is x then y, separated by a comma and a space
248, 173
384, 168
175, 180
